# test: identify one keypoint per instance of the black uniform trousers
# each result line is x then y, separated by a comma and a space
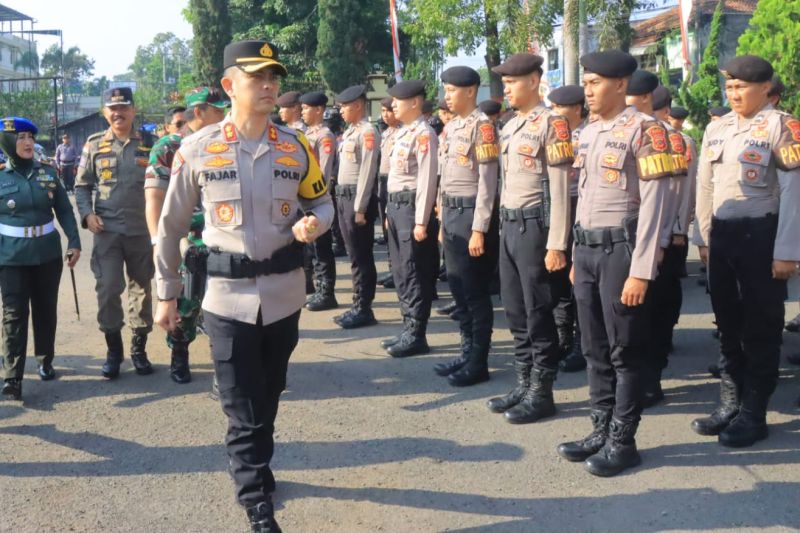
324, 260
250, 362
414, 264
29, 290
383, 199
666, 297
564, 312
529, 292
359, 242
748, 302
614, 336
469, 276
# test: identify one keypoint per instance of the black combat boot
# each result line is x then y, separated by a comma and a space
446, 309
447, 368
323, 299
653, 393
475, 371
501, 404
412, 341
750, 425
385, 343
388, 282
179, 362
139, 355
580, 450
726, 411
385, 278
114, 355
537, 403
713, 369
12, 389
360, 315
619, 451
574, 360
566, 338
46, 372
793, 325
262, 518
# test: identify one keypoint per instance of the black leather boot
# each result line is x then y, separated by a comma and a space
385, 278
361, 315
179, 362
793, 325
46, 372
501, 404
713, 369
574, 360
537, 403
619, 451
475, 371
412, 341
139, 355
726, 411
580, 450
323, 299
12, 389
446, 309
262, 518
447, 368
388, 283
114, 355
391, 341
653, 393
750, 425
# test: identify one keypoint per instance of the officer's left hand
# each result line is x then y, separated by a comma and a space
72, 256
361, 219
555, 260
679, 240
476, 248
783, 269
305, 229
420, 233
634, 291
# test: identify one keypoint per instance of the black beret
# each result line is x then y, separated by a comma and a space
251, 56
720, 111
661, 98
351, 94
118, 96
567, 95
427, 106
289, 99
609, 63
408, 89
316, 98
443, 106
461, 77
748, 68
490, 107
678, 112
642, 82
519, 65
387, 102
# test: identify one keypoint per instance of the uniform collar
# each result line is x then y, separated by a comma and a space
466, 121
109, 135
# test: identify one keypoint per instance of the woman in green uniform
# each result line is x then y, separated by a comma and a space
30, 252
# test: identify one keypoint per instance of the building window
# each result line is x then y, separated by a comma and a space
552, 59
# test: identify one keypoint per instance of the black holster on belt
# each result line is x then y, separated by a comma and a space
629, 224
195, 263
238, 266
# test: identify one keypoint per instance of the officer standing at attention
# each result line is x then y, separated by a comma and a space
568, 101
412, 225
469, 223
536, 148
387, 142
357, 202
323, 144
109, 193
204, 106
263, 196
622, 158
30, 253
290, 110
748, 190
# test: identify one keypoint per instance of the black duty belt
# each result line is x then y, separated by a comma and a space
346, 191
458, 202
597, 237
513, 215
403, 197
238, 266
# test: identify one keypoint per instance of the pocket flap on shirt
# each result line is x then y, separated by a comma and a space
218, 191
612, 159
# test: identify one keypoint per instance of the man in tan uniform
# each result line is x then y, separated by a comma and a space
748, 190
263, 196
109, 194
388, 137
290, 110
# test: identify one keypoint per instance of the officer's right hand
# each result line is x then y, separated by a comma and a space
95, 224
633, 292
420, 233
703, 251
167, 314
783, 269
572, 275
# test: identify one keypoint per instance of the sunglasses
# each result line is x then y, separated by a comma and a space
179, 123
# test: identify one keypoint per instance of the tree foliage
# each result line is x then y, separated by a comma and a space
162, 71
211, 22
34, 103
774, 34
77, 65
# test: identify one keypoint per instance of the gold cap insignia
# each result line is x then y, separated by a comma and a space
265, 51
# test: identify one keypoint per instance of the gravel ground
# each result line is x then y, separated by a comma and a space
367, 444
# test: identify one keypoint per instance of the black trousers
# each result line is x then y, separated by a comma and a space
469, 276
336, 233
414, 264
250, 362
324, 261
30, 290
359, 242
614, 336
748, 302
383, 199
67, 174
529, 293
564, 312
666, 297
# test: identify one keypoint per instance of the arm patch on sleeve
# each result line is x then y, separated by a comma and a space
312, 185
558, 144
787, 149
653, 156
680, 161
486, 149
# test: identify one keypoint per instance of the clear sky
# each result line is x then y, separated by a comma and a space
107, 31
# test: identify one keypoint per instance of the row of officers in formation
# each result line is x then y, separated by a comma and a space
586, 219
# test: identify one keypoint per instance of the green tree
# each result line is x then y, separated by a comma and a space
35, 104
211, 22
705, 92
161, 69
77, 65
614, 22
774, 34
29, 61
